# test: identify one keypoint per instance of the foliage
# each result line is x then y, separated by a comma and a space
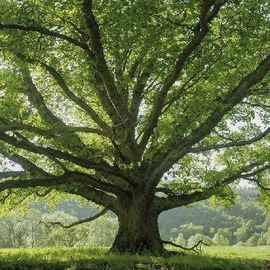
220, 240
136, 106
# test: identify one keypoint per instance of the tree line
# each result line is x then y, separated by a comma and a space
246, 223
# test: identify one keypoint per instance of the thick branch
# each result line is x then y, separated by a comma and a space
49, 132
25, 163
35, 182
63, 85
61, 82
100, 61
66, 181
184, 199
97, 183
46, 32
97, 196
47, 151
9, 174
36, 99
71, 141
138, 92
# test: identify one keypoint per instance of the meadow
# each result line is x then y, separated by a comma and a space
218, 258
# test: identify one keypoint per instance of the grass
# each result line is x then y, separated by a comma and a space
218, 258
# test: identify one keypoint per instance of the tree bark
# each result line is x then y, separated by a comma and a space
138, 230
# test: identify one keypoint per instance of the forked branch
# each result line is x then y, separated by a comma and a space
197, 248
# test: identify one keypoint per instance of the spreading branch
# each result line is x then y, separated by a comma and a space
101, 213
57, 154
200, 32
173, 200
258, 183
68, 92
9, 174
197, 248
177, 148
25, 163
13, 126
100, 62
67, 182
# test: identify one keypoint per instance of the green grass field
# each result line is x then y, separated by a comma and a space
218, 258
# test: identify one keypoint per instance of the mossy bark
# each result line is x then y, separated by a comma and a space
138, 230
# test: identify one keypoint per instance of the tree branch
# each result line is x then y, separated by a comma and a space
196, 248
138, 92
69, 182
259, 184
200, 31
61, 82
25, 163
35, 182
100, 61
8, 174
101, 213
49, 132
178, 148
47, 151
47, 32
97, 183
173, 201
203, 148
70, 141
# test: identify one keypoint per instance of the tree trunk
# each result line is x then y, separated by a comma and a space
138, 230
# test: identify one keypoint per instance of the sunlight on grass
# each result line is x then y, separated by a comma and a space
258, 253
98, 258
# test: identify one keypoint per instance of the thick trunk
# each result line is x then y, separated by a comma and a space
138, 231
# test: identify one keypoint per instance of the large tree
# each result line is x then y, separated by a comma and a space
138, 106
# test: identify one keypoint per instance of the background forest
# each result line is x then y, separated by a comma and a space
243, 224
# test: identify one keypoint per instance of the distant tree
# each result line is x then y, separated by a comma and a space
212, 231
190, 229
243, 232
180, 240
102, 231
13, 231
137, 106
267, 237
253, 240
220, 240
194, 239
239, 244
59, 236
266, 224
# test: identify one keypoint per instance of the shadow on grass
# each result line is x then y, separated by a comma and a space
99, 259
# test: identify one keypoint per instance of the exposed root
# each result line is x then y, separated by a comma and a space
197, 248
